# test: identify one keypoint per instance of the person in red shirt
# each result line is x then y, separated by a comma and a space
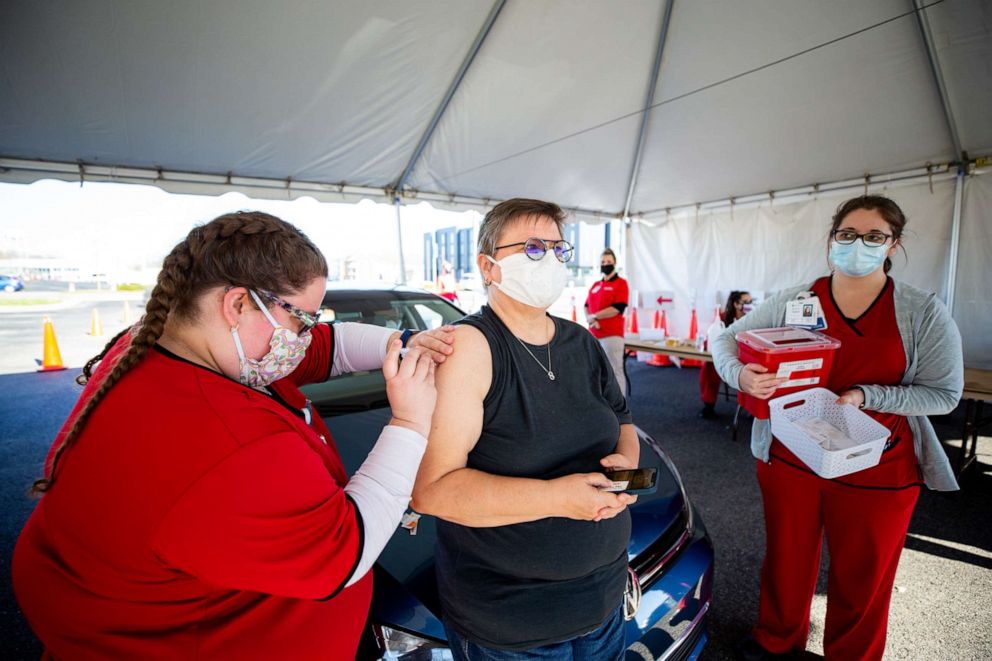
193, 506
899, 361
605, 306
447, 288
738, 304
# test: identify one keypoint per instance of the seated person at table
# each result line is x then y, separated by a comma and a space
738, 304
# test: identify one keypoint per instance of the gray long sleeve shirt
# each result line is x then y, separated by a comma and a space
931, 385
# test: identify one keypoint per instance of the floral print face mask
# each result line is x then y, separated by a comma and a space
286, 351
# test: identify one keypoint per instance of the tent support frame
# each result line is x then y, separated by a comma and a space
952, 262
25, 171
635, 167
399, 240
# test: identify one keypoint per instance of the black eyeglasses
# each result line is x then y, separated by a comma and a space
308, 319
872, 239
535, 248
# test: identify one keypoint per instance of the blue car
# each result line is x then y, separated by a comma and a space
10, 283
670, 551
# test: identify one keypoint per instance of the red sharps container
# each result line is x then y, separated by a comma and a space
802, 356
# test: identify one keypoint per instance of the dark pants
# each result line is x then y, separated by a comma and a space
605, 643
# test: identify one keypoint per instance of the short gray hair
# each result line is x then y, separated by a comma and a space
506, 212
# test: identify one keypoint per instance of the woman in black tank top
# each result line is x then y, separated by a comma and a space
531, 551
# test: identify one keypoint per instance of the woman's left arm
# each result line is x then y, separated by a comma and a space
936, 388
360, 347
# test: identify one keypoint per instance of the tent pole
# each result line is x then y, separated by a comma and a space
952, 262
938, 78
455, 84
399, 240
666, 18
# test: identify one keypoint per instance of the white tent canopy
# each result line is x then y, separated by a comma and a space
546, 98
613, 109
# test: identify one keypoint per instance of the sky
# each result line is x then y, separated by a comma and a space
108, 227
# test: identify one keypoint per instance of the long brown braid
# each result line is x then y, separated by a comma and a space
246, 249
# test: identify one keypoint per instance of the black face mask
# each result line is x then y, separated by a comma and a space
607, 269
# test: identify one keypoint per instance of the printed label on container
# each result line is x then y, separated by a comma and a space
795, 383
785, 369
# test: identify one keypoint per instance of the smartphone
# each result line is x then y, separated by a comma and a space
633, 481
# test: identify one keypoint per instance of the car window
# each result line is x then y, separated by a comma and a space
367, 390
431, 318
414, 313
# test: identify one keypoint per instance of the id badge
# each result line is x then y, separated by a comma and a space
805, 313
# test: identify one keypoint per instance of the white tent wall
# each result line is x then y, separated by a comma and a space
973, 291
771, 246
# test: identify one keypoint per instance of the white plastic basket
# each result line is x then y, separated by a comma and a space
861, 449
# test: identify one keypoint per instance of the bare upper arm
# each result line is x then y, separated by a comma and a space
462, 383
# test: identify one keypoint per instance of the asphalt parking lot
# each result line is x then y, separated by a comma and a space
941, 607
71, 313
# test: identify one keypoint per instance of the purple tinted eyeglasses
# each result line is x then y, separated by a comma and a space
535, 248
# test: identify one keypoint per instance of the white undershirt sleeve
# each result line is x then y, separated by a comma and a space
381, 489
358, 347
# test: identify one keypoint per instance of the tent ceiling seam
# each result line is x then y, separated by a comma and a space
450, 93
938, 78
684, 95
635, 167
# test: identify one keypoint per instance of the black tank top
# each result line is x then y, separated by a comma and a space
531, 584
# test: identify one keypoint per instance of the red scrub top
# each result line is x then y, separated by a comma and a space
871, 353
195, 517
603, 294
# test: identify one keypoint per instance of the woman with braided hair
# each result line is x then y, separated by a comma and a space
192, 505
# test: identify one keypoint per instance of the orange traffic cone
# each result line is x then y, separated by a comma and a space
51, 359
634, 330
660, 322
96, 326
693, 332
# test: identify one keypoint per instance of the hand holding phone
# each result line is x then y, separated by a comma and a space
633, 481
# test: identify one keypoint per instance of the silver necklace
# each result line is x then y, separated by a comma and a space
551, 375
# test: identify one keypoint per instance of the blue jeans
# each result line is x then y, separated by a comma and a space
605, 643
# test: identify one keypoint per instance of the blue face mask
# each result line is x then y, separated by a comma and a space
856, 259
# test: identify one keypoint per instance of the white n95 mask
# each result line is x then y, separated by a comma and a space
537, 283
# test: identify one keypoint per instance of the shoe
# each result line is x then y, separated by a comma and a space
748, 649
708, 412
